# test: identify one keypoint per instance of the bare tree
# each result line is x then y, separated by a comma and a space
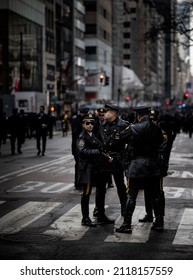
175, 18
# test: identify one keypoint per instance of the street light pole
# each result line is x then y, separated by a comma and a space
21, 61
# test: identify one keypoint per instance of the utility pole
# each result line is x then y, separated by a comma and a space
21, 61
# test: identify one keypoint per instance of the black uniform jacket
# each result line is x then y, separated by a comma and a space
110, 136
89, 155
145, 141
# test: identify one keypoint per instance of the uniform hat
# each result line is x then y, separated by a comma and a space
141, 109
88, 117
112, 107
83, 110
101, 111
153, 113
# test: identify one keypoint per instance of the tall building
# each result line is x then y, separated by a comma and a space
22, 46
98, 40
79, 49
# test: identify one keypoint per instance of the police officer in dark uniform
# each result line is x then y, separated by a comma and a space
144, 167
109, 136
88, 153
99, 120
154, 116
76, 128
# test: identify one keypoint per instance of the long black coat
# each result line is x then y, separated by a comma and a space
88, 150
144, 144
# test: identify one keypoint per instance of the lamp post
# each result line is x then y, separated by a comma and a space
21, 61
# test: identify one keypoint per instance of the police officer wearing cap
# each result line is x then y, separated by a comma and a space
112, 145
101, 112
144, 168
76, 128
154, 117
89, 154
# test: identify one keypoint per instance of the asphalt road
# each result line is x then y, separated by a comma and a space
40, 217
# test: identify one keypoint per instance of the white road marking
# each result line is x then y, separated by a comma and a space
21, 217
1, 202
62, 188
68, 226
35, 168
184, 234
34, 186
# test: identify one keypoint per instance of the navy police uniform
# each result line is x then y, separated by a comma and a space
113, 146
144, 168
88, 153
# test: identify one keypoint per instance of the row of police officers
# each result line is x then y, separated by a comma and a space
115, 147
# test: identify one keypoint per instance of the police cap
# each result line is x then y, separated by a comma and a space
88, 117
101, 111
153, 113
83, 110
141, 109
112, 107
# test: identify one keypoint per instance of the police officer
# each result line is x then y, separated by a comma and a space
109, 135
76, 128
154, 116
101, 112
88, 153
144, 170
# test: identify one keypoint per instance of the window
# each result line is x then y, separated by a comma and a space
90, 6
126, 46
126, 56
91, 29
126, 35
126, 24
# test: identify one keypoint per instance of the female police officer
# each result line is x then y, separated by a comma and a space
89, 153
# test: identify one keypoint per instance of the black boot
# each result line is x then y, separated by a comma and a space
125, 227
87, 222
158, 224
146, 219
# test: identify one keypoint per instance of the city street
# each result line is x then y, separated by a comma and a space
40, 215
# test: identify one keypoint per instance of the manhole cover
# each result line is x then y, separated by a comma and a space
28, 238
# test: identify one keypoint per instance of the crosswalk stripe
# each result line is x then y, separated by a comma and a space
21, 217
61, 188
184, 234
68, 226
140, 231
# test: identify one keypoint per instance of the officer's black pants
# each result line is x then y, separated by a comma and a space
151, 186
148, 202
85, 197
103, 179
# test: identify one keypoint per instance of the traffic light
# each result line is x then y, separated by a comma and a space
101, 77
52, 108
106, 80
186, 95
167, 102
127, 98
